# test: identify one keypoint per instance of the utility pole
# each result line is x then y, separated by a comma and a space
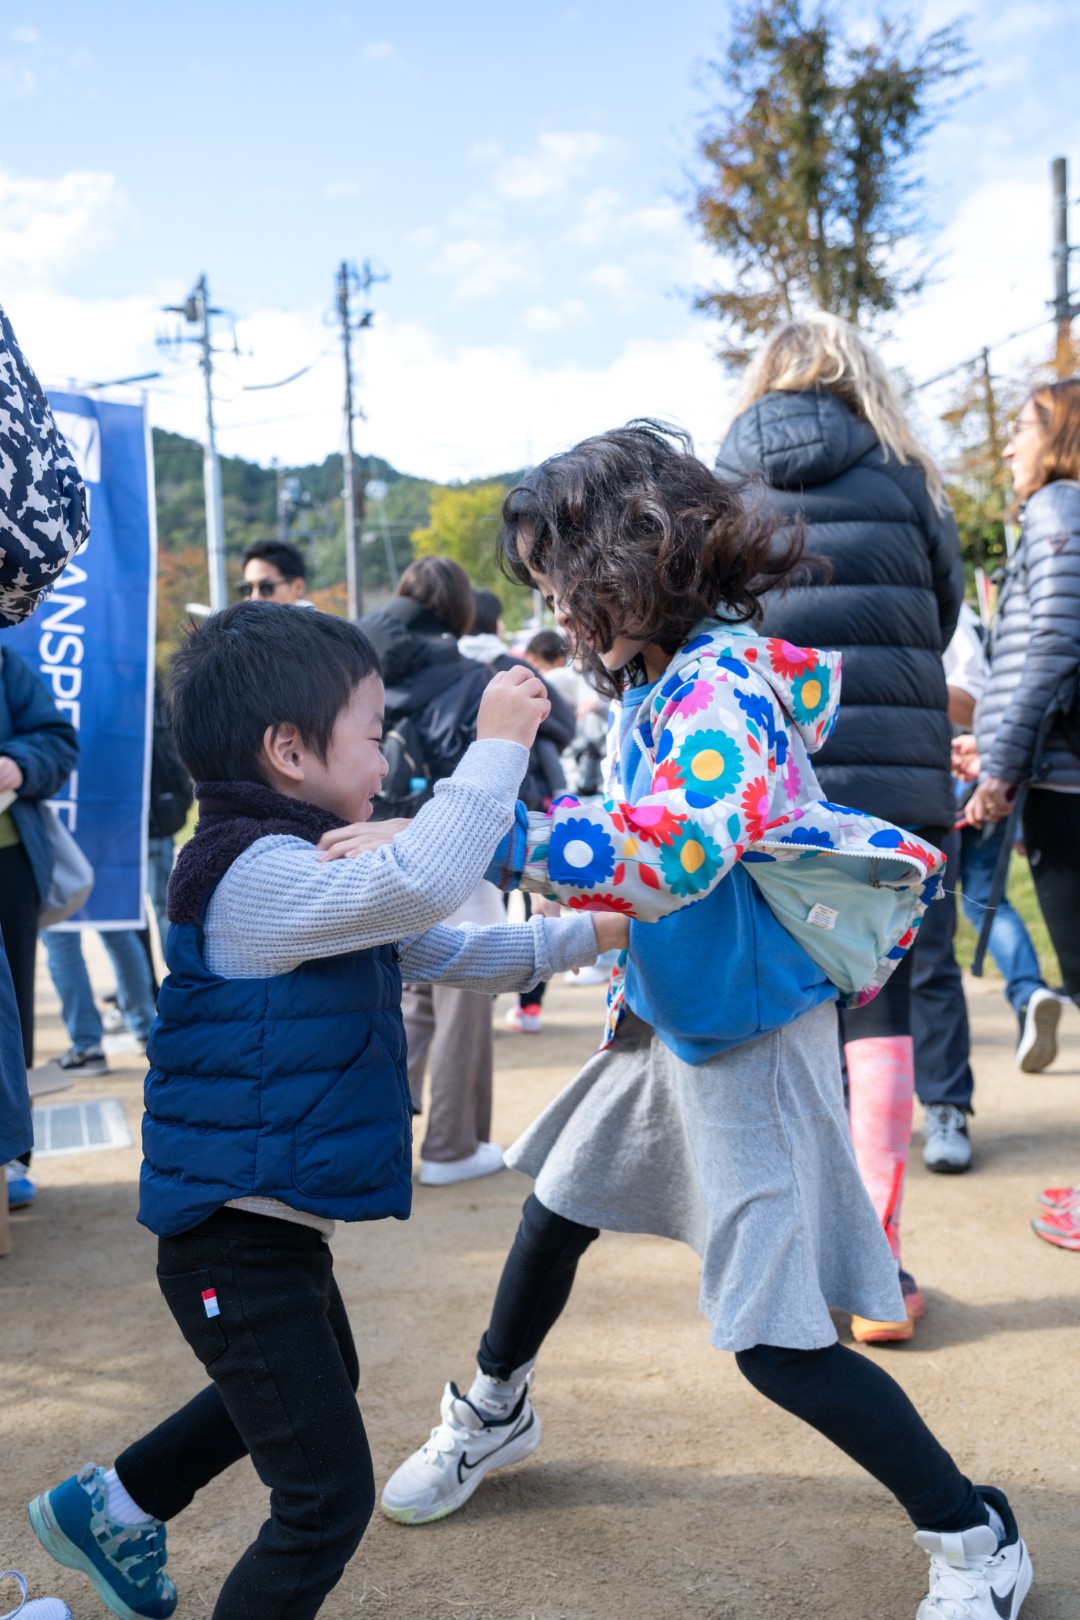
350, 281
196, 311
997, 465
1063, 310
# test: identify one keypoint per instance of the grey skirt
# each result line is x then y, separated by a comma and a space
747, 1158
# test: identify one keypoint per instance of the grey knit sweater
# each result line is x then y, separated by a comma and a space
278, 905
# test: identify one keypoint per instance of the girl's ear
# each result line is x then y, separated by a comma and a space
283, 754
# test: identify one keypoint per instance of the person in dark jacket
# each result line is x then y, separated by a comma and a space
544, 780
429, 681
1034, 662
821, 422
43, 521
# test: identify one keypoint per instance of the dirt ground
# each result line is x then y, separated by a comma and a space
665, 1488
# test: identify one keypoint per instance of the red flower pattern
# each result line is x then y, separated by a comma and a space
789, 660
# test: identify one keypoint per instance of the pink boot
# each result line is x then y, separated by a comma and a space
881, 1094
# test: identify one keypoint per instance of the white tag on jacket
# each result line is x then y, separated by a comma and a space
820, 916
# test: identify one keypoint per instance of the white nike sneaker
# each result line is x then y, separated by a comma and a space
971, 1576
442, 1475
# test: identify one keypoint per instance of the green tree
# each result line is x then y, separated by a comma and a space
810, 195
464, 525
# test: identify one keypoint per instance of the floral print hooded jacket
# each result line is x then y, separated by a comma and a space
725, 738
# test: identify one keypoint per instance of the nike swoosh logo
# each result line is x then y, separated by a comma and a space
1003, 1605
466, 1467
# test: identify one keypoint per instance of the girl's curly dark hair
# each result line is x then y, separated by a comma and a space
642, 540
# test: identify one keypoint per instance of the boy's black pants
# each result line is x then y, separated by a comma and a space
284, 1371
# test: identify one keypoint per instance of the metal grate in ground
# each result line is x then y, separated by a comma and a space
80, 1127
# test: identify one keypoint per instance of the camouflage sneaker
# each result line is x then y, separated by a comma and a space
126, 1562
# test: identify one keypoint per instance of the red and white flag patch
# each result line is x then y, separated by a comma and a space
210, 1304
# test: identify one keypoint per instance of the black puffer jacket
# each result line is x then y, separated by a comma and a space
890, 606
1035, 642
427, 678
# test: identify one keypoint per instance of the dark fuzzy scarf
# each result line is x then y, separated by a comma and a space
232, 816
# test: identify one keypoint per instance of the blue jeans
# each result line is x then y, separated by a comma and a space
134, 986
1010, 946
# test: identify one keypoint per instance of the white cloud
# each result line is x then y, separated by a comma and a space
25, 35
480, 268
380, 50
551, 317
556, 161
48, 226
341, 189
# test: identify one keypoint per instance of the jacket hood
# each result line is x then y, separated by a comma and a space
483, 648
804, 680
795, 440
408, 637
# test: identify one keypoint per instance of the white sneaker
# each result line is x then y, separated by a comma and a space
484, 1162
1037, 1048
46, 1608
593, 974
948, 1148
526, 1020
971, 1577
442, 1475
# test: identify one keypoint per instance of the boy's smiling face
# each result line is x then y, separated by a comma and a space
346, 782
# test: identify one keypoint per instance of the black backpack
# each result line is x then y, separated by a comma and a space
408, 783
171, 793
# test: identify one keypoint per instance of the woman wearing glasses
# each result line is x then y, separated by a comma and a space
1034, 650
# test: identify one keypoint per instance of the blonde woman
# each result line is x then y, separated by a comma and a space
821, 421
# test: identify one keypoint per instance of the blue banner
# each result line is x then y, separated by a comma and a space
92, 642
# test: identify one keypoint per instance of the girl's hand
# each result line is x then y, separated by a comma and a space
345, 843
11, 777
990, 801
612, 931
543, 907
514, 706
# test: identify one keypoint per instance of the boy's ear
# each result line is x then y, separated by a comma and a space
283, 752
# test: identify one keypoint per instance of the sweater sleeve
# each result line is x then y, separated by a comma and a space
279, 905
44, 745
1051, 558
43, 517
716, 786
511, 956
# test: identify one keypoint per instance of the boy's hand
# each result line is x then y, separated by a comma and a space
345, 843
612, 931
514, 706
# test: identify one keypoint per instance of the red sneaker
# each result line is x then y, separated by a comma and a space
1059, 1227
1059, 1197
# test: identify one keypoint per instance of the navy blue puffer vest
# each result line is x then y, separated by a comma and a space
292, 1087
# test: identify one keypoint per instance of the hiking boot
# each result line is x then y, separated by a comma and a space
87, 1060
1061, 1227
126, 1562
947, 1148
442, 1475
972, 1576
46, 1608
1037, 1047
21, 1191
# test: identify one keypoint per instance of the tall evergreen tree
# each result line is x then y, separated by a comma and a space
811, 197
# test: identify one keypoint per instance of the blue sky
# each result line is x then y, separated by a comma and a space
520, 179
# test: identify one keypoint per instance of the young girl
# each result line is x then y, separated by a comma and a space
715, 1112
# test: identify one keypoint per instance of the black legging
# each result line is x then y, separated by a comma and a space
847, 1398
1052, 837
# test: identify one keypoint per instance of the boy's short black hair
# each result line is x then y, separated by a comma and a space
548, 645
260, 665
287, 559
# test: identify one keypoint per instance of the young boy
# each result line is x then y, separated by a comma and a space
277, 1099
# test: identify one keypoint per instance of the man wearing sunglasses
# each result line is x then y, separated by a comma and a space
273, 572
